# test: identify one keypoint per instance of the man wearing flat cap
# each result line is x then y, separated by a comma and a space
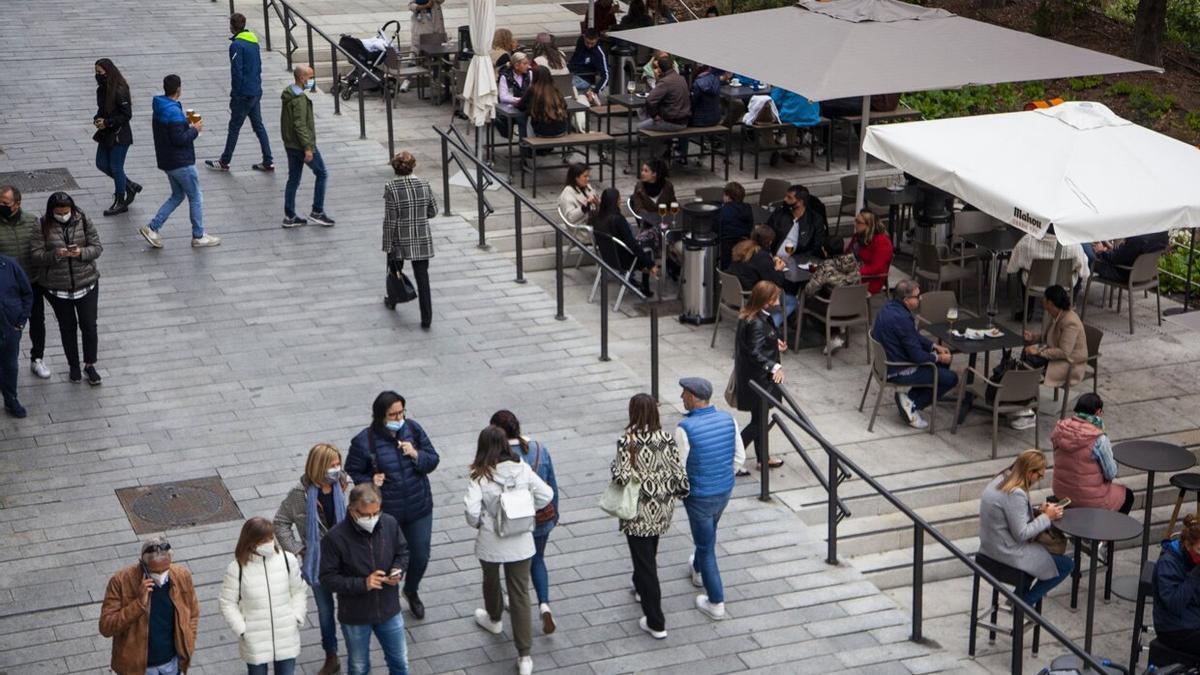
151, 613
712, 450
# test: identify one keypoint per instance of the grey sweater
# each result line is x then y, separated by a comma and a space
293, 513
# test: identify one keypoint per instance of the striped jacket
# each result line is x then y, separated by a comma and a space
408, 206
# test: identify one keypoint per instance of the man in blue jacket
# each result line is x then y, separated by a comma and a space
895, 328
1177, 590
16, 301
174, 138
245, 95
589, 65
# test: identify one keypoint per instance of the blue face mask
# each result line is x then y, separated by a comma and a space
395, 427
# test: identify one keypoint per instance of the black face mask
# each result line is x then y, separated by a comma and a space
101, 79
6, 211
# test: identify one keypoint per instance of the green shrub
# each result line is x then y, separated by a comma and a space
1084, 83
1175, 262
1192, 120
1183, 19
975, 100
1147, 106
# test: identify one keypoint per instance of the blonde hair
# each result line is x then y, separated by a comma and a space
745, 250
874, 226
764, 293
502, 39
1028, 462
320, 458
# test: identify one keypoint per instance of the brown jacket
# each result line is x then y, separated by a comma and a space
125, 617
670, 99
1066, 348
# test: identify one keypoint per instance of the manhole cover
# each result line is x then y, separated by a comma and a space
39, 180
186, 503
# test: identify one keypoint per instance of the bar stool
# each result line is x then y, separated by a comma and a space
1186, 482
1021, 583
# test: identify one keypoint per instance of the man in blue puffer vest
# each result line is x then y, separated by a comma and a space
245, 96
712, 449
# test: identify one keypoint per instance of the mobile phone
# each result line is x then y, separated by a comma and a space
394, 573
1064, 503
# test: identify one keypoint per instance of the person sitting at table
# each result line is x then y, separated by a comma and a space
1084, 468
636, 16
514, 81
1008, 526
872, 248
798, 112
503, 46
735, 220
753, 262
545, 106
668, 106
1110, 259
1063, 348
578, 199
604, 16
1030, 248
546, 53
1177, 590
798, 225
589, 66
841, 107
610, 221
650, 68
705, 104
653, 188
895, 329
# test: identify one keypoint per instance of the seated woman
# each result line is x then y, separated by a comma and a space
503, 46
753, 262
1030, 248
1063, 347
609, 221
735, 220
652, 189
578, 199
546, 53
1008, 527
1177, 590
872, 248
1084, 468
545, 105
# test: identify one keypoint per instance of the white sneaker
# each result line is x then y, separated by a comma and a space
525, 665
905, 404
153, 238
485, 622
918, 421
656, 634
697, 578
1022, 421
714, 610
206, 241
835, 343
404, 86
40, 369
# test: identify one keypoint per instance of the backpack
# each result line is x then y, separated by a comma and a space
514, 513
547, 513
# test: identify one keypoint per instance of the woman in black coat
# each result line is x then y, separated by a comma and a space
756, 358
609, 221
113, 136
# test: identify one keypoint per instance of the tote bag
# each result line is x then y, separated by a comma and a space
621, 501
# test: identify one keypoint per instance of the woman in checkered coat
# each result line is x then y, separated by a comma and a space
408, 206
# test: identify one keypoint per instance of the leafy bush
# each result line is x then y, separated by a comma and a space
1084, 83
1148, 107
1183, 19
1175, 262
975, 100
1192, 120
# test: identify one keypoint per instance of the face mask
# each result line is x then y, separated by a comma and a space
63, 217
395, 426
160, 578
6, 211
332, 475
265, 550
367, 523
311, 85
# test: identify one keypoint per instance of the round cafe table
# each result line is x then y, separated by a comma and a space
1094, 526
1151, 457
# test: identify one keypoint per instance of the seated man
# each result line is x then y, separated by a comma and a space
1108, 258
800, 113
705, 102
669, 104
799, 226
1030, 248
514, 81
895, 328
589, 65
650, 69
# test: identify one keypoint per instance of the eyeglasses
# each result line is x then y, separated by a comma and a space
156, 548
395, 415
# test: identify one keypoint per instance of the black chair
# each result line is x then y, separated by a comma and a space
1145, 588
1021, 582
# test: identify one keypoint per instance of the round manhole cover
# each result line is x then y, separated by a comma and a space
177, 506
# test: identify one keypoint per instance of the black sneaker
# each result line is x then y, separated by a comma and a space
264, 167
321, 218
294, 221
92, 376
75, 375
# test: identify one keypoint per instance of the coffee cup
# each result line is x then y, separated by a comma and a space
735, 82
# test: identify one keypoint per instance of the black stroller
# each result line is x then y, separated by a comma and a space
378, 55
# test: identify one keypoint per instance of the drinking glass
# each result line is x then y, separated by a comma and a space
662, 210
952, 316
674, 208
789, 248
630, 87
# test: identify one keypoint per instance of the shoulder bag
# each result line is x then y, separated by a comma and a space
548, 512
621, 501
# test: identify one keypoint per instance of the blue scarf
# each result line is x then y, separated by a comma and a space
312, 530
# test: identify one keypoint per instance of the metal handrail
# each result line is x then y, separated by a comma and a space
459, 151
839, 463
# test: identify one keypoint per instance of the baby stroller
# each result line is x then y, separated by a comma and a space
378, 55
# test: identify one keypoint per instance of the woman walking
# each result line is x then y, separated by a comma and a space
498, 470
537, 456
649, 454
113, 135
66, 253
397, 456
312, 507
408, 205
756, 359
263, 600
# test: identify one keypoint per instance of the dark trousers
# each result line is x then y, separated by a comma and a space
417, 533
241, 107
295, 171
421, 279
111, 162
923, 396
750, 434
10, 356
644, 552
516, 580
1127, 505
77, 316
1186, 641
37, 324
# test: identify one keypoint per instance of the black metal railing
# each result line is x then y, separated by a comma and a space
842, 467
454, 150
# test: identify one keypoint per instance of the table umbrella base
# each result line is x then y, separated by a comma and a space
1125, 587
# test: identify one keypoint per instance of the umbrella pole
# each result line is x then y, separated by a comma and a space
860, 198
591, 15
1187, 288
1054, 265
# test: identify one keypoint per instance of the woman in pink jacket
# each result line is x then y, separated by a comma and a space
1084, 468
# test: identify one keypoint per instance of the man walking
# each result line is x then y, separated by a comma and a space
712, 451
18, 228
16, 299
300, 141
245, 95
151, 613
363, 559
174, 138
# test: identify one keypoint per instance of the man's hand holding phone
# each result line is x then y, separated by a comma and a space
394, 576
376, 580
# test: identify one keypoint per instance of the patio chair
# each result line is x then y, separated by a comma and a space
710, 194
773, 190
846, 306
608, 247
1016, 391
971, 222
849, 199
931, 266
1093, 336
581, 232
878, 374
730, 301
629, 207
1039, 280
1143, 276
934, 306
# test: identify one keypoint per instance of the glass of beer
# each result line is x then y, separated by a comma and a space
674, 208
662, 210
789, 248
952, 316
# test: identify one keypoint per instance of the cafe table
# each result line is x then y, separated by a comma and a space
1007, 341
895, 200
1094, 526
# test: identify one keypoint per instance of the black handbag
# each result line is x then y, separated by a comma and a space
399, 287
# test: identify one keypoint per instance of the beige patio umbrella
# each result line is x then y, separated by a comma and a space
479, 90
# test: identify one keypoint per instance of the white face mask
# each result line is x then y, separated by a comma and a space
160, 578
62, 217
265, 550
332, 475
367, 523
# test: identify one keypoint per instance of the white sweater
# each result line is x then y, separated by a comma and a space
271, 609
482, 501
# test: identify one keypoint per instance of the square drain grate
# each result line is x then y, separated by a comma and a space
39, 180
185, 503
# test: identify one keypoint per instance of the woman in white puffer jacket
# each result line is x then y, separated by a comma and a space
264, 600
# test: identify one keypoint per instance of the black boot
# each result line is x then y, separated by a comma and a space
119, 206
131, 191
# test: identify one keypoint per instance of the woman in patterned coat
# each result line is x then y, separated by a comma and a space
648, 453
408, 206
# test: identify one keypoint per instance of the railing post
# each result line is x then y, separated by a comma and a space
558, 275
479, 203
267, 22
918, 580
763, 449
287, 34
362, 114
335, 88
446, 175
387, 101
832, 511
654, 350
603, 316
1018, 639
312, 61
520, 243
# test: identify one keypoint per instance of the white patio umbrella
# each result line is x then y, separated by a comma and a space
479, 90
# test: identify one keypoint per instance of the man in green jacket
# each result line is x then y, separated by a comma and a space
300, 141
18, 230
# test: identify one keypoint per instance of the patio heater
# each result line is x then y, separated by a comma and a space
933, 213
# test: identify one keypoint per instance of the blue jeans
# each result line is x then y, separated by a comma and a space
184, 181
326, 617
1042, 586
790, 304
390, 634
241, 107
10, 356
287, 667
703, 515
417, 534
169, 668
111, 162
921, 398
1090, 252
295, 170
537, 569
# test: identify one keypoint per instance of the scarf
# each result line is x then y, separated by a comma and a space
1092, 419
653, 190
312, 530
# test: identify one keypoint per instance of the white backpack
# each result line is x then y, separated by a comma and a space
515, 514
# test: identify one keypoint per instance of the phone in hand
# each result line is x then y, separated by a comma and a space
1064, 503
394, 574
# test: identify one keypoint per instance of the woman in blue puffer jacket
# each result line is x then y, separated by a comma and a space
1177, 590
397, 456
